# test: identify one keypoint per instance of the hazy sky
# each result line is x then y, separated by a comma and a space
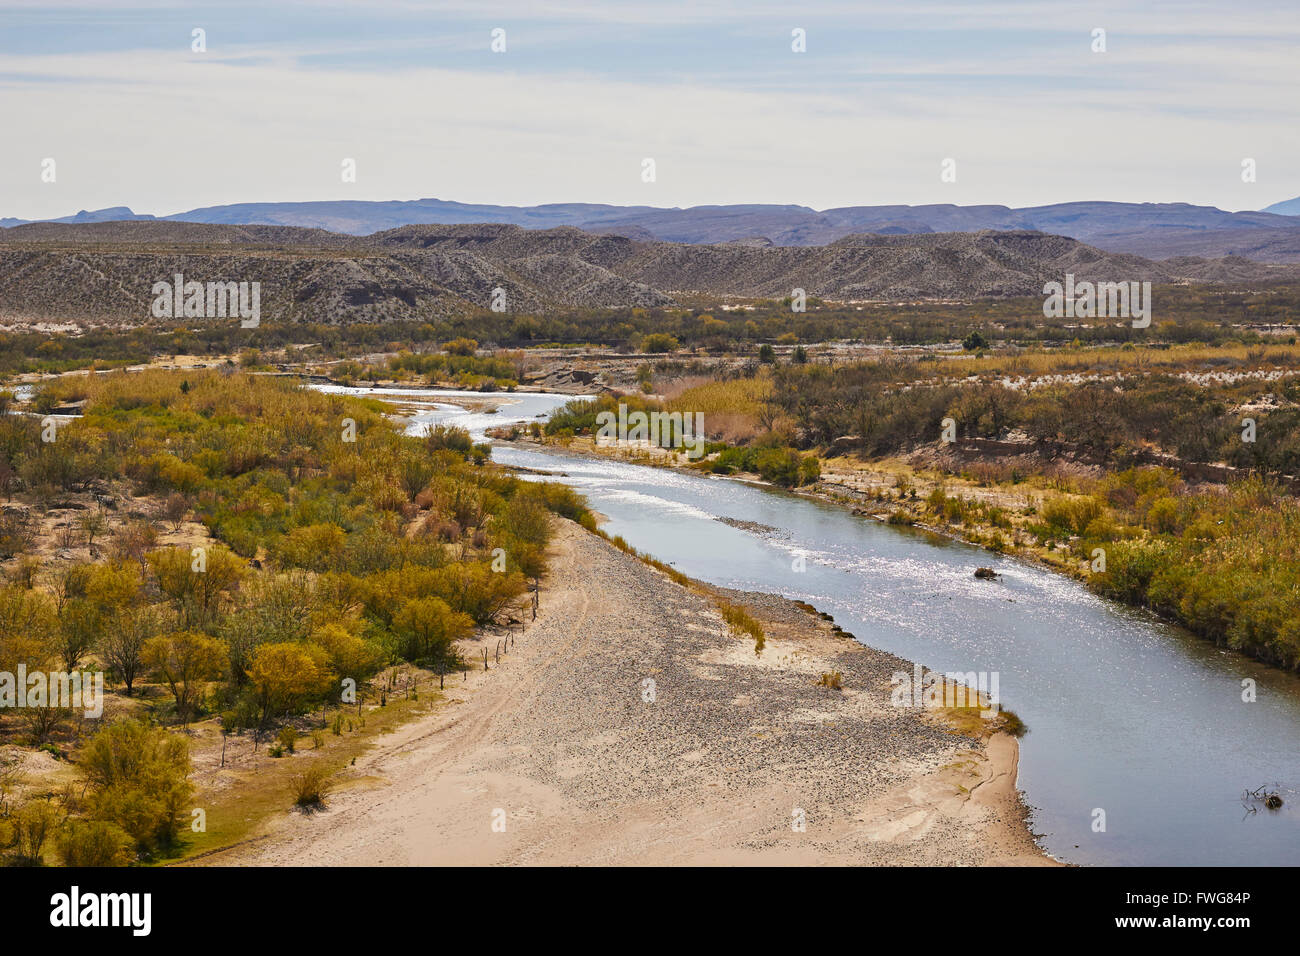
712, 91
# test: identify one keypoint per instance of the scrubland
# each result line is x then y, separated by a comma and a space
244, 561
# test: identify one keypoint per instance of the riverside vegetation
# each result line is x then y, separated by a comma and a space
327, 559
233, 552
768, 455
1187, 313
1163, 476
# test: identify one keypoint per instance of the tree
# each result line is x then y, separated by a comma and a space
521, 530
87, 596
43, 720
75, 632
316, 547
175, 509
766, 354
414, 473
185, 661
134, 540
659, 342
644, 376
974, 341
196, 584
282, 608
18, 532
349, 655
428, 628
33, 826
139, 778
27, 621
26, 618
527, 518
93, 524
285, 675
447, 438
122, 642
460, 347
477, 590
93, 843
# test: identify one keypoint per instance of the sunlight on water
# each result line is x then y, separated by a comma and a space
1125, 713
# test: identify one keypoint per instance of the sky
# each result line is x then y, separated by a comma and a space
1012, 92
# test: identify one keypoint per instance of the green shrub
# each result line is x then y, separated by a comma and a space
1130, 566
1163, 516
33, 825
460, 346
287, 737
93, 843
311, 787
1072, 514
139, 780
659, 342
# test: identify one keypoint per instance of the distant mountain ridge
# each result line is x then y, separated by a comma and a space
1290, 207
104, 272
1152, 230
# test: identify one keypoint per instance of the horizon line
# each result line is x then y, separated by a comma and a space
539, 205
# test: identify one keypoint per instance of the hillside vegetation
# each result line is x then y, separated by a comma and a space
231, 548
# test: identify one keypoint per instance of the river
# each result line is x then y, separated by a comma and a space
1126, 714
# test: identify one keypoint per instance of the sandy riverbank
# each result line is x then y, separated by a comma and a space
559, 741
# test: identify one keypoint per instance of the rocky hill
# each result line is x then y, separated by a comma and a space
1146, 229
106, 271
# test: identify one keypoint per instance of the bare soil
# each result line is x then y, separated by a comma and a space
560, 754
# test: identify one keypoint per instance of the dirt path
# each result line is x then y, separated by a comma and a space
559, 746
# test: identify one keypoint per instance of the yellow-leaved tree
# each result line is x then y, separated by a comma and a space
185, 662
286, 676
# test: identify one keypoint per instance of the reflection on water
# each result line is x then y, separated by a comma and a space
1126, 714
511, 408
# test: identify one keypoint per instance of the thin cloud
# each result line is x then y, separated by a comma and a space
165, 130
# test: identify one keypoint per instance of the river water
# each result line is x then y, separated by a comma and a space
1126, 714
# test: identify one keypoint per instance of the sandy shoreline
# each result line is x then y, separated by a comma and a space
557, 757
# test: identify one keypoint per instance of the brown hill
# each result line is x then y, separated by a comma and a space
105, 271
